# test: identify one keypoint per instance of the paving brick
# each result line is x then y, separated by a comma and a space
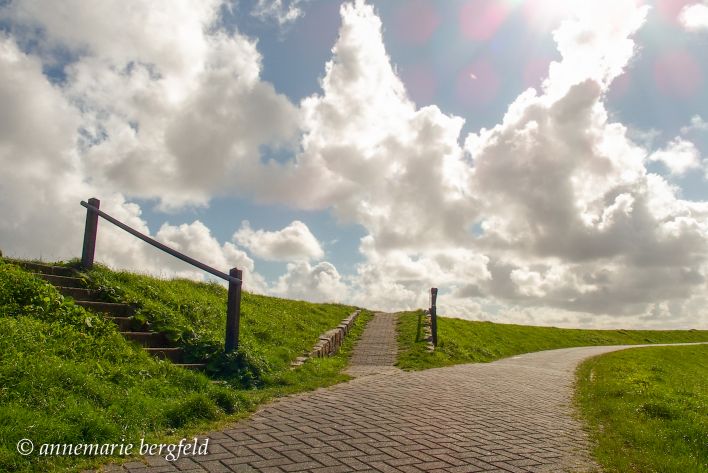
384, 467
464, 469
213, 466
354, 463
511, 415
332, 469
301, 466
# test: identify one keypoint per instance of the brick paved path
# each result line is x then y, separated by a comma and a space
375, 352
513, 415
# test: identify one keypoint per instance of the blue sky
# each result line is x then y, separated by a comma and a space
376, 148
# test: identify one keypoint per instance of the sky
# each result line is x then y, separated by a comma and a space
541, 162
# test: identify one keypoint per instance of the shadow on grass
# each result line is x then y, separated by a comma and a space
419, 328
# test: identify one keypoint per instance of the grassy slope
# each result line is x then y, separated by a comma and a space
463, 341
67, 376
648, 408
273, 331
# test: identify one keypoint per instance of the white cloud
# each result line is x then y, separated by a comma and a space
679, 156
369, 154
41, 182
694, 17
118, 249
294, 242
697, 124
571, 219
318, 283
55, 139
177, 114
595, 44
146, 33
282, 12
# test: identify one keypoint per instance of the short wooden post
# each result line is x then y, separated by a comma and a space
434, 315
233, 311
90, 234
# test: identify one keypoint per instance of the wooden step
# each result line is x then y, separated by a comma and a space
63, 281
126, 324
79, 293
111, 308
147, 339
43, 268
121, 314
172, 354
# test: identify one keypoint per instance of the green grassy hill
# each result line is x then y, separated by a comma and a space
68, 376
464, 341
648, 408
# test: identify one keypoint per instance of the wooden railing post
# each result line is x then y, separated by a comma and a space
90, 234
233, 311
434, 315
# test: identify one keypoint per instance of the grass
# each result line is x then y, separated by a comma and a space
464, 341
68, 376
273, 331
648, 408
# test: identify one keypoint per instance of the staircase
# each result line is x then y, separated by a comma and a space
66, 282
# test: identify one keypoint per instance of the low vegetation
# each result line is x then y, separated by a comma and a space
464, 341
648, 408
68, 376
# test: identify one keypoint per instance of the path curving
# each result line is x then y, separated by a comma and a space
512, 415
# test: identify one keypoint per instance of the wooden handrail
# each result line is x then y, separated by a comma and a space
161, 246
233, 307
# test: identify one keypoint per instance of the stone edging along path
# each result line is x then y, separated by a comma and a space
330, 341
511, 415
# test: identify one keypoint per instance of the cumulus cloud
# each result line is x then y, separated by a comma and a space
548, 217
319, 283
679, 156
41, 173
569, 218
694, 17
294, 242
371, 156
176, 114
111, 124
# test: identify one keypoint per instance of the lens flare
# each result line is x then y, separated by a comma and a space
677, 74
480, 19
478, 83
416, 21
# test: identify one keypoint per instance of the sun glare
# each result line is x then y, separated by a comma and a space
547, 14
